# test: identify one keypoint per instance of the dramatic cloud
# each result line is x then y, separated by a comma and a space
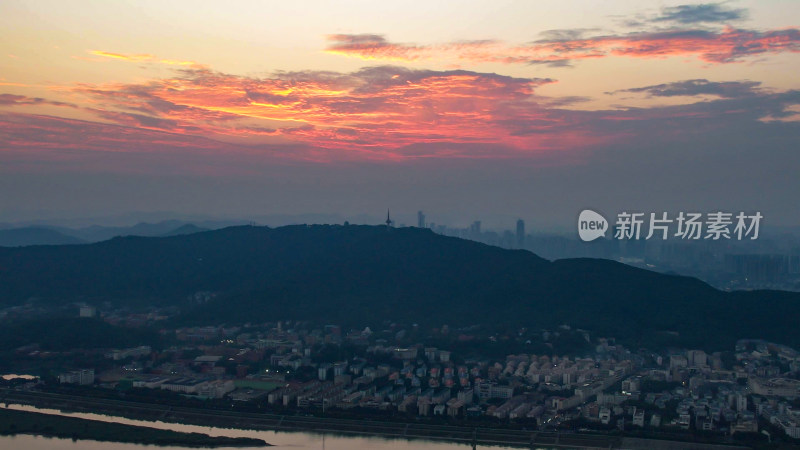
704, 13
381, 108
726, 89
559, 47
382, 113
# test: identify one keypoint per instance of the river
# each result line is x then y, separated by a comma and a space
288, 440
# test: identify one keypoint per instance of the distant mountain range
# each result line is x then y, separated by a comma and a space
18, 237
46, 235
185, 229
362, 275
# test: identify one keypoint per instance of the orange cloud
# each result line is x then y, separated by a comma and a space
724, 46
375, 108
390, 112
143, 57
383, 113
137, 57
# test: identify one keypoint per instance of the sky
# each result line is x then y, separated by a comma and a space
467, 110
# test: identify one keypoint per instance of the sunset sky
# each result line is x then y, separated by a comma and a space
467, 110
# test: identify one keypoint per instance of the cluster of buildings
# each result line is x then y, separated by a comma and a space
83, 377
692, 390
204, 388
754, 388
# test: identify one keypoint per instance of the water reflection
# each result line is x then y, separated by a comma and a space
293, 440
14, 376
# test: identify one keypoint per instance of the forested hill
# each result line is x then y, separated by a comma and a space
367, 274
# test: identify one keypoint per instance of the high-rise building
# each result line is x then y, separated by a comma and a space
520, 233
420, 219
475, 229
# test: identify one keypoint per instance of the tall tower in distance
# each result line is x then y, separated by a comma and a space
420, 219
388, 220
520, 233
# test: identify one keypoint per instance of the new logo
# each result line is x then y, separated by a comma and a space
591, 225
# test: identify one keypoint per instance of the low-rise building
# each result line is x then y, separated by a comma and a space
82, 377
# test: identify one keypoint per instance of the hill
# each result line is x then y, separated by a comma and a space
18, 237
97, 233
185, 229
365, 275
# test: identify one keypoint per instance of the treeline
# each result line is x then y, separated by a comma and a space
61, 334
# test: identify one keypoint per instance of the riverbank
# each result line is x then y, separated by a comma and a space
330, 426
475, 436
14, 422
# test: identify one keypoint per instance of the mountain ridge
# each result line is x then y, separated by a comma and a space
358, 274
25, 236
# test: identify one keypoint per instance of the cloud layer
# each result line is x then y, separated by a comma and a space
703, 13
389, 112
381, 113
372, 112
23, 100
725, 89
719, 47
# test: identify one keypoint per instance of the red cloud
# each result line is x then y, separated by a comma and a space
725, 46
379, 108
377, 113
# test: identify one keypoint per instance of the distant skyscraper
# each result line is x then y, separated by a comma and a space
520, 233
420, 219
475, 229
